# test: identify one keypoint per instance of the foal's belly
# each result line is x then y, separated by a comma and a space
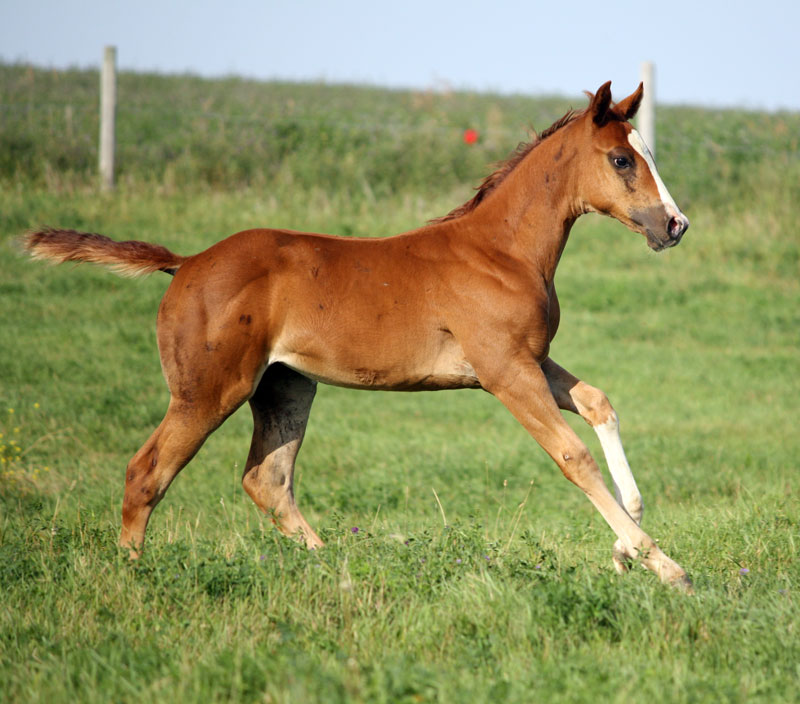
386, 369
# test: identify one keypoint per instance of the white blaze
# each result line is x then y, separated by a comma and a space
640, 147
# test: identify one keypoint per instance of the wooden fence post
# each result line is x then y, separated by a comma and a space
647, 110
108, 107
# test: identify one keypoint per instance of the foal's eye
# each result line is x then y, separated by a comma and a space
622, 162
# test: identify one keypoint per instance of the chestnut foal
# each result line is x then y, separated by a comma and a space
468, 301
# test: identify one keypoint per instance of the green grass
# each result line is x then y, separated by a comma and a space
515, 598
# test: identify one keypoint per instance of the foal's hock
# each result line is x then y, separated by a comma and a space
466, 301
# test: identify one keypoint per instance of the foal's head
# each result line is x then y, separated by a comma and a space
621, 179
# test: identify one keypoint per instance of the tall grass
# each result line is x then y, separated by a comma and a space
476, 571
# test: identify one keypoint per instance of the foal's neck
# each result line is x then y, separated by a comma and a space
535, 207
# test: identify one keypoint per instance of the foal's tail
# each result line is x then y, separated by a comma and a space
125, 258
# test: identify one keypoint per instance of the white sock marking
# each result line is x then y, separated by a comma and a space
625, 487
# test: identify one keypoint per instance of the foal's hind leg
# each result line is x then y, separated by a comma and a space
571, 394
156, 464
280, 406
195, 411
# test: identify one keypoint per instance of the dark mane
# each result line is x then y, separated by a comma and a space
504, 168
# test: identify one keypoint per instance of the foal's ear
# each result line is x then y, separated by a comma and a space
628, 107
601, 102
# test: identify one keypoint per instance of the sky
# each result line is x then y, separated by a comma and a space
720, 53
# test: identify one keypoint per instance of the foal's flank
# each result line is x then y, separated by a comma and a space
467, 300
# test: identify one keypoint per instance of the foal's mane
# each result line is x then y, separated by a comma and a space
503, 168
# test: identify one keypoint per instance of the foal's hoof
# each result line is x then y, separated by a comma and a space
134, 553
683, 583
622, 560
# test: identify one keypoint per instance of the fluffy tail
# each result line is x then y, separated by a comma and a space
125, 258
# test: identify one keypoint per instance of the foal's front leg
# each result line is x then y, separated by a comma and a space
523, 388
572, 394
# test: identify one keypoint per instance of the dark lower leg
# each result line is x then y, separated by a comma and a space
280, 409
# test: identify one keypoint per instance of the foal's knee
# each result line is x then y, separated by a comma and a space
578, 465
598, 409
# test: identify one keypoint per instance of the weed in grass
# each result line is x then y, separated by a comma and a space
18, 474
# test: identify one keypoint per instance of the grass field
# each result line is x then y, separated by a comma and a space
503, 589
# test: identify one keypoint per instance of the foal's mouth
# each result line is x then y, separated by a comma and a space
658, 244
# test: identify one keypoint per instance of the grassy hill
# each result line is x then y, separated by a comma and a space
187, 132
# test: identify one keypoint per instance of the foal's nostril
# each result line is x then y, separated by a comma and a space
677, 226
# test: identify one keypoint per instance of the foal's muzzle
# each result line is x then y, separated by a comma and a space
661, 232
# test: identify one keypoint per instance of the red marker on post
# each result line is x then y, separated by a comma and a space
470, 136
